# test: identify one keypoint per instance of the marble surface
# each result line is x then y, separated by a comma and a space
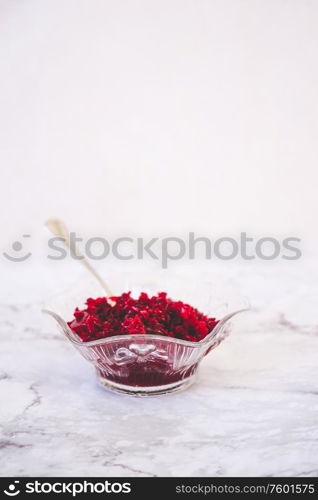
253, 410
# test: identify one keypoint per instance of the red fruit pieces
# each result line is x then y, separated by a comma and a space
146, 315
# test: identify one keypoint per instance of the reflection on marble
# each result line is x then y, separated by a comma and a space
253, 410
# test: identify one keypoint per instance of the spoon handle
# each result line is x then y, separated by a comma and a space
59, 229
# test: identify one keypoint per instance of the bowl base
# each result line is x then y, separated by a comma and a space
139, 391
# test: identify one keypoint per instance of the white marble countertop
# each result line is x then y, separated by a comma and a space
253, 410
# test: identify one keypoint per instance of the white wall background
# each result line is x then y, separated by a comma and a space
159, 116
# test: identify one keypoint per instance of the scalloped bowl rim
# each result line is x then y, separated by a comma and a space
144, 337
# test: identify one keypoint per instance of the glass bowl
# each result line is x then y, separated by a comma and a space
150, 364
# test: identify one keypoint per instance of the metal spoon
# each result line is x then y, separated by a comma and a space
59, 229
